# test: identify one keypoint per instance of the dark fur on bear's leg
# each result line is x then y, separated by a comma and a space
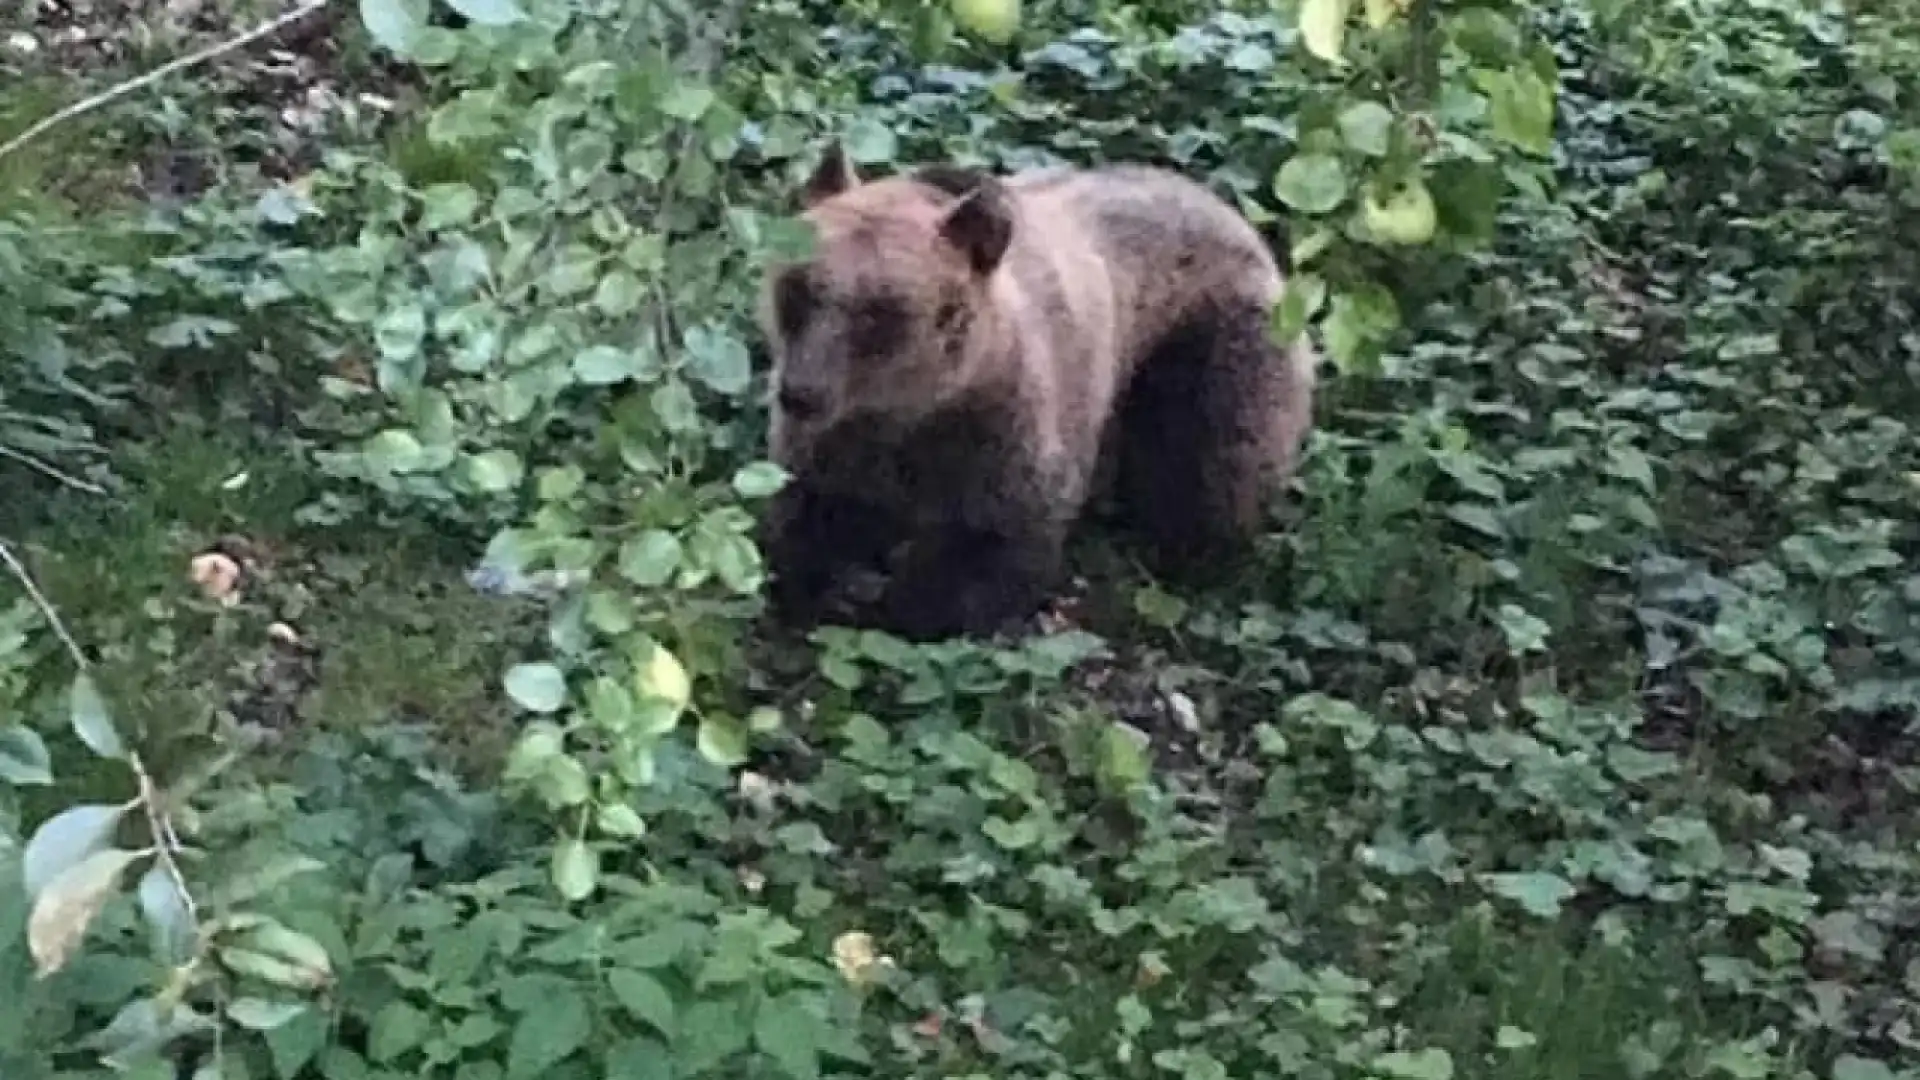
811, 539
1200, 434
960, 581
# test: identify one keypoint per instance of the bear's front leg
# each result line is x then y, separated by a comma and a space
960, 581
810, 539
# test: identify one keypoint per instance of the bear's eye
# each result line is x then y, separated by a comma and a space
793, 302
947, 318
878, 327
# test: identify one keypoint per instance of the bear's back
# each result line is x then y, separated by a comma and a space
1173, 249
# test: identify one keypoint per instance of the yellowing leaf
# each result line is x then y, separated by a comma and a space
1323, 28
67, 906
1379, 13
661, 676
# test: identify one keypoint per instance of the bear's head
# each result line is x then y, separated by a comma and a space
892, 316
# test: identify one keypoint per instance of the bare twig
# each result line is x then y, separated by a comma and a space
141, 82
165, 841
40, 600
39, 466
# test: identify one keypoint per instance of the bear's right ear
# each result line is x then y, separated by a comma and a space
981, 226
832, 176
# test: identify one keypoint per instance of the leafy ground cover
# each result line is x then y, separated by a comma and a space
382, 685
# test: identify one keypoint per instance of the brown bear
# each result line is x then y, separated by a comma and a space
965, 356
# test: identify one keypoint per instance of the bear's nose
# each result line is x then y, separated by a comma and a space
800, 403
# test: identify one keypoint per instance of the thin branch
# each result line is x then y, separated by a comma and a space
39, 466
141, 82
165, 842
46, 606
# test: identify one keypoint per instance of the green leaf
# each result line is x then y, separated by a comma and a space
87, 711
1432, 1063
65, 839
576, 868
643, 996
496, 470
1305, 295
1367, 127
555, 1026
718, 359
673, 403
620, 293
603, 365
868, 141
1358, 323
722, 740
619, 819
1539, 893
393, 24
260, 1014
537, 687
787, 1032
687, 100
489, 12
395, 450
167, 914
1311, 183
1521, 107
649, 560
400, 330
23, 757
1513, 1038
1852, 1067
448, 206
759, 480
397, 1028
1124, 763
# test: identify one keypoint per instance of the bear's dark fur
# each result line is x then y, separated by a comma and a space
966, 357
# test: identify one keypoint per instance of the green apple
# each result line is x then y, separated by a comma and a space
1405, 217
994, 20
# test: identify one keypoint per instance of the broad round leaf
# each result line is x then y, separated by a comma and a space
496, 470
722, 740
536, 687
1311, 183
661, 676
1367, 127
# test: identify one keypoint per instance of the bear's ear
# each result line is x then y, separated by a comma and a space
981, 226
832, 176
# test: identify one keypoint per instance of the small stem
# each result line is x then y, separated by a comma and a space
140, 82
39, 466
46, 607
165, 841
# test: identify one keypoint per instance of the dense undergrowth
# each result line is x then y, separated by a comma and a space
1564, 727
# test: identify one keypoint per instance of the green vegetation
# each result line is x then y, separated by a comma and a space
382, 685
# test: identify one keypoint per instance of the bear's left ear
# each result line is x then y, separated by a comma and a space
981, 226
832, 176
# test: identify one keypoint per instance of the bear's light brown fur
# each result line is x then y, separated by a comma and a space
965, 353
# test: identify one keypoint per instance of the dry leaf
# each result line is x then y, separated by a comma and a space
69, 903
1323, 28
